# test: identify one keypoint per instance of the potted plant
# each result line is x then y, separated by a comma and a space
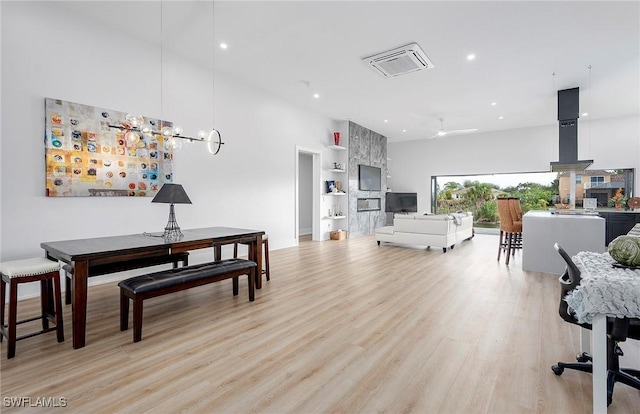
618, 200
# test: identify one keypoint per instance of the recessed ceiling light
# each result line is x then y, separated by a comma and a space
471, 56
493, 103
404, 130
223, 46
585, 114
501, 117
386, 120
316, 95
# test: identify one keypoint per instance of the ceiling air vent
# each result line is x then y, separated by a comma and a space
399, 61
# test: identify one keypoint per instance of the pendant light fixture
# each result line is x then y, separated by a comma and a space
134, 126
214, 139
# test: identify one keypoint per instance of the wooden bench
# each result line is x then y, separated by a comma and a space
114, 267
161, 283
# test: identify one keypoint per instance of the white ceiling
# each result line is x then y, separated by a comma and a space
280, 47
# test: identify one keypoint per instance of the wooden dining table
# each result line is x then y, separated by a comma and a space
84, 254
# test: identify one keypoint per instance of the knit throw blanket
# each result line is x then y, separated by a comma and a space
457, 218
604, 289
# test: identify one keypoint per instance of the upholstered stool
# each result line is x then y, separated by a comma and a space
31, 270
265, 248
510, 227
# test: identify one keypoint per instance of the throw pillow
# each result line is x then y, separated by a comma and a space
625, 250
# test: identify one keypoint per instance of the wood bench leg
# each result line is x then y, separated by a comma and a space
124, 311
235, 286
137, 319
251, 277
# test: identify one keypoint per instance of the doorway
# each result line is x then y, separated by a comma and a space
305, 195
307, 191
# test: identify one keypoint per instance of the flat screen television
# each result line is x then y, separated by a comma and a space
369, 178
401, 203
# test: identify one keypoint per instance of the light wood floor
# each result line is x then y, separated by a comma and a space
343, 326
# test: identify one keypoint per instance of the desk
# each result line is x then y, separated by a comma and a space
591, 306
86, 253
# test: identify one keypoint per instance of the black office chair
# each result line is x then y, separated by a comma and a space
618, 330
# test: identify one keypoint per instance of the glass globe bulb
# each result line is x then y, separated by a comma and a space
202, 134
132, 138
177, 130
167, 131
135, 120
145, 129
176, 143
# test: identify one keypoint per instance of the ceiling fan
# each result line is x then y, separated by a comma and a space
442, 132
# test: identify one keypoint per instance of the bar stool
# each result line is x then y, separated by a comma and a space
265, 247
31, 270
510, 229
516, 216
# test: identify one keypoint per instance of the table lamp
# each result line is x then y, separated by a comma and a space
172, 194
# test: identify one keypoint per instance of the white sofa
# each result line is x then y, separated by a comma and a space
439, 230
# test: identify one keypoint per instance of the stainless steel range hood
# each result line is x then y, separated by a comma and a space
580, 165
568, 114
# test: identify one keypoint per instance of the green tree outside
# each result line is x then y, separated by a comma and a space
479, 198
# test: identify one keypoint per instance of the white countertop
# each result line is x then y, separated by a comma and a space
572, 214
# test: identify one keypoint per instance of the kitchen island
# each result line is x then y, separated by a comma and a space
573, 230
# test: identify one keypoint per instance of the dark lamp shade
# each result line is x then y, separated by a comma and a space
171, 194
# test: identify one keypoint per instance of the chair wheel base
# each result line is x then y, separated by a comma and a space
558, 370
584, 357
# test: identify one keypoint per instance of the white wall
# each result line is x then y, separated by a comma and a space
611, 143
250, 184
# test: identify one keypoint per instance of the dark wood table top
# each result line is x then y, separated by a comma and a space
80, 249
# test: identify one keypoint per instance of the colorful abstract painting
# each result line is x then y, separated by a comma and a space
86, 156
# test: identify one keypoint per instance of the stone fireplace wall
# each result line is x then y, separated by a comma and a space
369, 148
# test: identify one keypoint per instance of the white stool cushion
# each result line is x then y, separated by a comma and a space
28, 267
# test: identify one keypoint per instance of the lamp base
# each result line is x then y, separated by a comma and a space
172, 230
172, 235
